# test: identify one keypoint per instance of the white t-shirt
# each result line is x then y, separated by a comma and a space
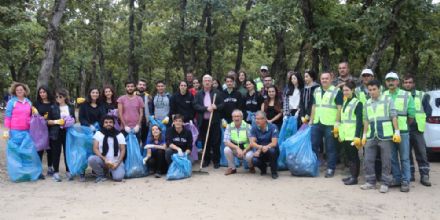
110, 155
294, 99
64, 111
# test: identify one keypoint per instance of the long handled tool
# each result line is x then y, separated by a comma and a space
200, 171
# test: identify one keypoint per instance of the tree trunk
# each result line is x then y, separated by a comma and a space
279, 65
315, 60
396, 56
413, 64
132, 66
195, 40
50, 44
23, 71
241, 36
387, 36
99, 27
208, 41
307, 11
302, 53
325, 59
181, 37
57, 65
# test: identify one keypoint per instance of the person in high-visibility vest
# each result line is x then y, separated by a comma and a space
325, 120
264, 71
362, 91
236, 139
380, 131
416, 129
350, 130
404, 104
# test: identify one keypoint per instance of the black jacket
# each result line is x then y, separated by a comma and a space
306, 101
182, 140
232, 101
183, 105
89, 115
201, 109
55, 114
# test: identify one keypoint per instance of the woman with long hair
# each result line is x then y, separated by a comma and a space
43, 105
292, 96
273, 107
310, 85
252, 101
156, 146
240, 83
108, 99
90, 112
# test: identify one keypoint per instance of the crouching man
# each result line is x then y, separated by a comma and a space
237, 142
109, 148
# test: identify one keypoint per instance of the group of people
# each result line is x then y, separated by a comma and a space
345, 114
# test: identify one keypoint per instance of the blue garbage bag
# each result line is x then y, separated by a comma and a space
250, 117
223, 160
288, 129
180, 168
157, 122
79, 146
134, 166
301, 160
23, 163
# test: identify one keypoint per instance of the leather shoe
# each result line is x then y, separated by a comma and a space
216, 165
351, 181
251, 169
274, 176
230, 171
330, 173
424, 180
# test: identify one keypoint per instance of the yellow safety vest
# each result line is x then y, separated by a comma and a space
380, 123
401, 105
420, 112
239, 136
347, 129
325, 106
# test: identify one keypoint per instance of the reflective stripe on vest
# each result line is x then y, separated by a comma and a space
420, 112
380, 123
401, 105
325, 106
347, 129
239, 136
259, 84
360, 95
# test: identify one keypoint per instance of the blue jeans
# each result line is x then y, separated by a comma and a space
401, 171
320, 131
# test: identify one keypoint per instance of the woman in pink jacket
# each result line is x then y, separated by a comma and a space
22, 159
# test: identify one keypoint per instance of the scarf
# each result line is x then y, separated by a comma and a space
110, 133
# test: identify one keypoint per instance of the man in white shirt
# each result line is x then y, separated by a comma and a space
109, 148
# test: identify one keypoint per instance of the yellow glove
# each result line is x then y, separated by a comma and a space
357, 142
224, 123
5, 135
305, 119
80, 100
59, 122
34, 111
396, 137
335, 132
165, 120
46, 115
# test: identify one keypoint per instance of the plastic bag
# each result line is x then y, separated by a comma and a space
39, 132
250, 117
114, 114
157, 122
301, 160
23, 163
180, 168
195, 134
288, 129
223, 160
69, 121
134, 166
79, 146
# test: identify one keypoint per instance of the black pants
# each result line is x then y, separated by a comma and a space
49, 156
353, 158
270, 157
213, 141
56, 146
143, 132
157, 161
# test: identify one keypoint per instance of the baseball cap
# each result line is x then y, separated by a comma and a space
264, 68
391, 75
367, 72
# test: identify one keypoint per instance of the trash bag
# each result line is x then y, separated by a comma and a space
114, 114
288, 129
69, 121
223, 160
39, 132
79, 146
195, 134
180, 168
301, 160
23, 163
157, 122
134, 166
250, 117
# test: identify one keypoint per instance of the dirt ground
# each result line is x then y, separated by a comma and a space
214, 196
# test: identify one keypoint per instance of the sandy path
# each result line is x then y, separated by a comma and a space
214, 196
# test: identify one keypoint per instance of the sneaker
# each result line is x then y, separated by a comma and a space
251, 169
330, 173
230, 171
69, 176
368, 186
100, 179
82, 177
274, 176
351, 181
395, 183
157, 175
50, 171
383, 188
404, 187
424, 180
346, 179
56, 177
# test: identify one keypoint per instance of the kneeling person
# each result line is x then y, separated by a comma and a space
264, 138
178, 139
237, 142
109, 148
